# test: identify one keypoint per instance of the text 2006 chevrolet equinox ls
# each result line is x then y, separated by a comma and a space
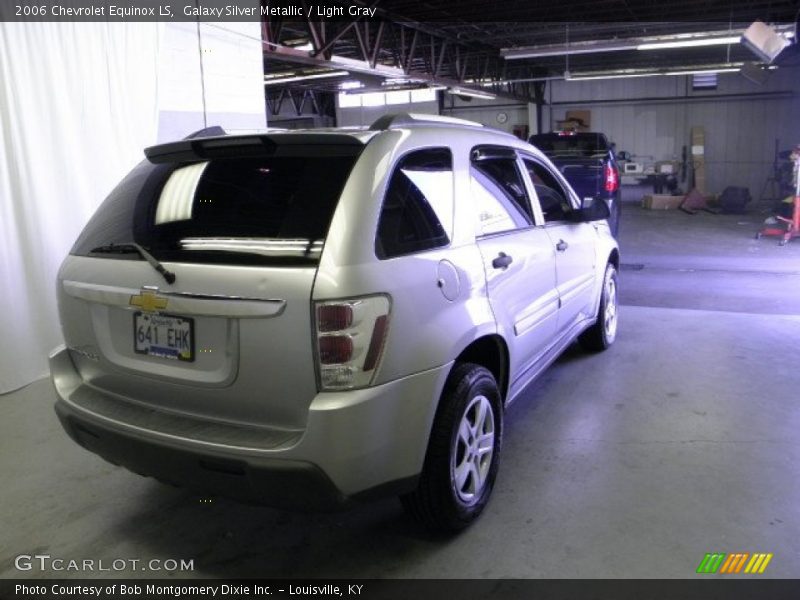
304, 319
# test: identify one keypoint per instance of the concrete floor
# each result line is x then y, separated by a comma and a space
682, 439
705, 261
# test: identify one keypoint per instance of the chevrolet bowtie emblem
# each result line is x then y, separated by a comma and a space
149, 301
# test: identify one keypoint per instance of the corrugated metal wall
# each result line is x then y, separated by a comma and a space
488, 112
652, 117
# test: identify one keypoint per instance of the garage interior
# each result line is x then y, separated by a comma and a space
681, 440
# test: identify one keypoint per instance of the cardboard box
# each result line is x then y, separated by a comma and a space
700, 185
661, 202
698, 141
570, 125
582, 117
700, 176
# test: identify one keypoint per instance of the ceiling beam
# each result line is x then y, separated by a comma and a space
451, 64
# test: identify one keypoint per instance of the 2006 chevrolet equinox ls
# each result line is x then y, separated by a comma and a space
305, 319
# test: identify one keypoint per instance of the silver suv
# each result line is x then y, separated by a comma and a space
307, 319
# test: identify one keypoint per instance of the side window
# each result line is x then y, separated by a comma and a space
552, 197
505, 175
417, 211
497, 211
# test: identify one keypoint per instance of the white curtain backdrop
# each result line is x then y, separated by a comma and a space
78, 103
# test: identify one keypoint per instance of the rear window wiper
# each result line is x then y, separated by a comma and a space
130, 248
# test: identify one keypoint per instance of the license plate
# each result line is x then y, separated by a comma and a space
164, 336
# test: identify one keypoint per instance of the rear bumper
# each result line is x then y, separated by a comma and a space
280, 483
357, 445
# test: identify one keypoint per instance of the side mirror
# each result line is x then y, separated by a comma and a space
591, 210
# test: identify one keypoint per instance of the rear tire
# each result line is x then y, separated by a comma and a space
463, 452
603, 333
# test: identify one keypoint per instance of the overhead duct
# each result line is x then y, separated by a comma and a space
763, 41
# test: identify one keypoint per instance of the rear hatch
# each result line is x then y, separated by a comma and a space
581, 158
189, 290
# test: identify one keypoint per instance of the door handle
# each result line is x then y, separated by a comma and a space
561, 246
502, 261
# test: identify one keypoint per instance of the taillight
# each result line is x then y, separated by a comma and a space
335, 349
350, 335
612, 178
334, 317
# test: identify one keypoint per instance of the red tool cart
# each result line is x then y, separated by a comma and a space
791, 226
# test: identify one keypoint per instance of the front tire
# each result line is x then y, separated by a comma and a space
462, 459
603, 333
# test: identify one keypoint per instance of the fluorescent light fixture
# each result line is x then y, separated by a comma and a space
350, 85
362, 66
279, 75
280, 80
690, 43
678, 40
705, 71
590, 47
688, 70
471, 93
590, 76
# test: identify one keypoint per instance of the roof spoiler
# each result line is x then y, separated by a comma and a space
231, 146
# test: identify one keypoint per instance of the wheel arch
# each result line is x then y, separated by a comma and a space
491, 352
613, 258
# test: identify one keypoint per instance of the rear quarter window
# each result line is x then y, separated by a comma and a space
417, 211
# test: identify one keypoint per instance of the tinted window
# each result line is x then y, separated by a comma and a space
268, 209
497, 212
570, 144
552, 198
503, 172
417, 211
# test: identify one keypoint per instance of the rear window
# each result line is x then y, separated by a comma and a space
252, 210
568, 144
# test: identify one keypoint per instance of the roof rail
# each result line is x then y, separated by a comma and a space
214, 130
398, 120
